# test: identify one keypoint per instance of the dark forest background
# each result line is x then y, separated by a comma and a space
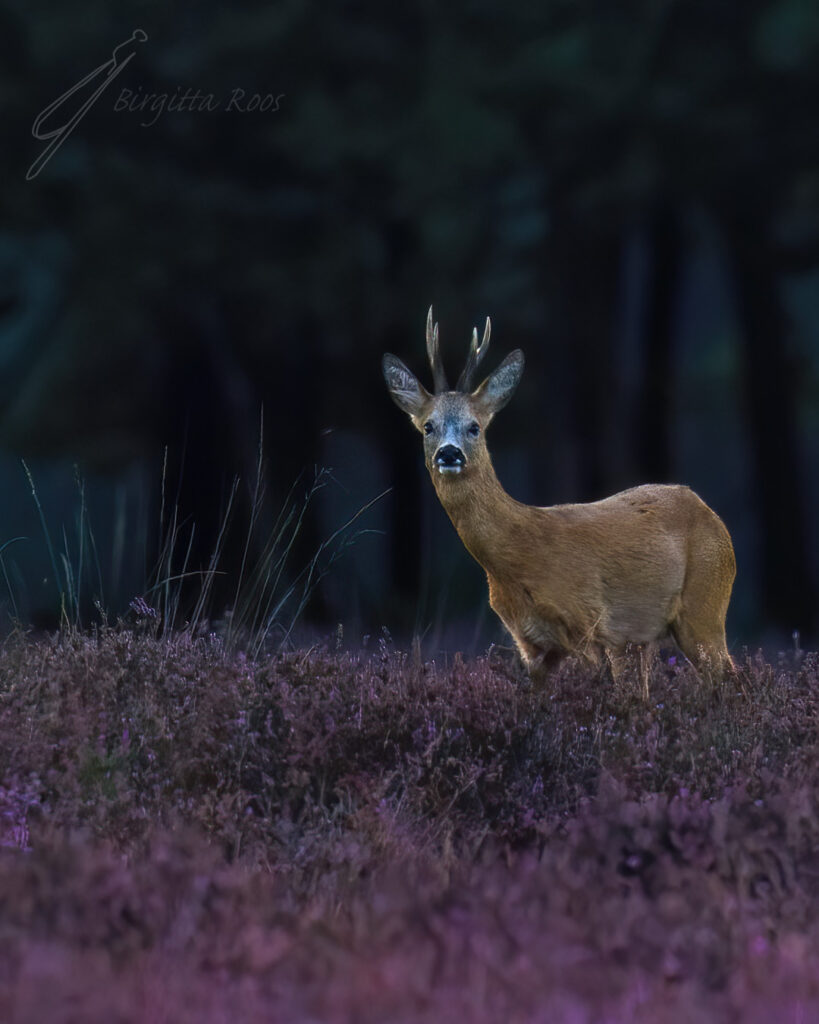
630, 191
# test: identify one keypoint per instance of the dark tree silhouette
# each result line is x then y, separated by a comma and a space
770, 404
491, 161
653, 441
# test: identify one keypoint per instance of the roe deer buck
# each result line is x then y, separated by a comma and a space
585, 579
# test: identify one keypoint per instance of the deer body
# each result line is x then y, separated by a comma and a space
587, 579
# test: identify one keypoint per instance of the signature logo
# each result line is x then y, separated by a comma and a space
107, 73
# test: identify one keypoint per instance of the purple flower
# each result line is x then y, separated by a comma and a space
142, 609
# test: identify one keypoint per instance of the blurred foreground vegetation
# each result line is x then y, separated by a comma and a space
189, 834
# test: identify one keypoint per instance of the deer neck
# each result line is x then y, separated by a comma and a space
489, 521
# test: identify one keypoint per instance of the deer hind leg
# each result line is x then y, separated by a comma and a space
705, 648
699, 630
699, 623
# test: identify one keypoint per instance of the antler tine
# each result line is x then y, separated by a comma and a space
476, 354
434, 353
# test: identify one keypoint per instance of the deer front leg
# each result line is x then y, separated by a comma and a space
539, 662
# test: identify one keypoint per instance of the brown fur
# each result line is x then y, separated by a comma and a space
587, 579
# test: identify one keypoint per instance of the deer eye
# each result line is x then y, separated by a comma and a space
473, 429
428, 427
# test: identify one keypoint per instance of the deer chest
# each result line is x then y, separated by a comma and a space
527, 621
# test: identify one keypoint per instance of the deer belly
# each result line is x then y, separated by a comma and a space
638, 592
638, 618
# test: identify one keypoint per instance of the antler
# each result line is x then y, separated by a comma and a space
476, 354
434, 353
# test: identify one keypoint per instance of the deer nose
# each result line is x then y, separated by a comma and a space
449, 459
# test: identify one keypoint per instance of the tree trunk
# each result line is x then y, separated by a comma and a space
653, 441
771, 406
585, 275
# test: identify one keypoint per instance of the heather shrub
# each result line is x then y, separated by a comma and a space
192, 834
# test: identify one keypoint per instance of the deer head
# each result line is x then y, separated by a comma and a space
453, 423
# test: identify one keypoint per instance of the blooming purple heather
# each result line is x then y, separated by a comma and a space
193, 836
142, 609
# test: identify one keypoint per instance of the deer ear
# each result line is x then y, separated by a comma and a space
499, 386
406, 390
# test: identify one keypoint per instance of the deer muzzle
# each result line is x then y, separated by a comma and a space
449, 459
